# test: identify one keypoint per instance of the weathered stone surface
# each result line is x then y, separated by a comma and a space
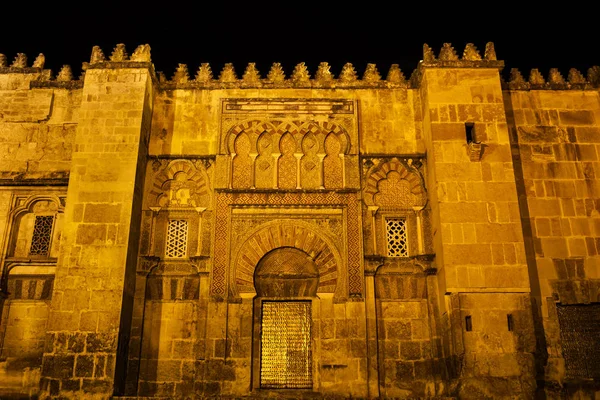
429, 266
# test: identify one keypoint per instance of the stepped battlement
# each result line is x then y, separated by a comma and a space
301, 77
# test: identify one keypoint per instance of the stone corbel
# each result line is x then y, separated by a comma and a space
475, 151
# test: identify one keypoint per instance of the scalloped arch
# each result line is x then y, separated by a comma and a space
254, 128
278, 234
382, 172
197, 176
29, 203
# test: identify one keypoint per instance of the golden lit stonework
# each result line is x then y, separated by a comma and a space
333, 233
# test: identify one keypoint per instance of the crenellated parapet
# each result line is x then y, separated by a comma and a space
470, 58
448, 58
38, 76
300, 77
575, 80
276, 77
120, 58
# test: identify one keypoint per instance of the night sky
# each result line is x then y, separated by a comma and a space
293, 32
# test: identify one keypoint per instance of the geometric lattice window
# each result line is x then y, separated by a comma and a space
177, 234
580, 339
397, 242
42, 233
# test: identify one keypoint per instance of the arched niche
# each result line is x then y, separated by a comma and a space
36, 225
286, 272
277, 128
391, 184
288, 234
180, 184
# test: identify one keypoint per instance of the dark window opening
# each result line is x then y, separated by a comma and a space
470, 131
468, 323
510, 322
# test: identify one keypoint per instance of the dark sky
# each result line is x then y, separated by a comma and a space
291, 32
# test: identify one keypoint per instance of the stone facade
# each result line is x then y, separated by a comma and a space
299, 236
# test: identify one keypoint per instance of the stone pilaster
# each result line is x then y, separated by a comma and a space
478, 236
90, 315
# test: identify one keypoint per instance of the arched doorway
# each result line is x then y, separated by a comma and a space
286, 281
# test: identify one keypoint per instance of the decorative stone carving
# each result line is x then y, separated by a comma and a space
287, 165
20, 61
576, 77
264, 164
280, 147
141, 53
389, 183
428, 55
371, 74
556, 80
290, 234
97, 55
276, 74
593, 75
310, 163
348, 73
119, 53
242, 163
251, 74
65, 74
554, 76
490, 52
204, 74
181, 74
516, 80
39, 61
471, 53
395, 75
228, 74
447, 53
180, 185
323, 74
300, 74
332, 163
536, 78
222, 231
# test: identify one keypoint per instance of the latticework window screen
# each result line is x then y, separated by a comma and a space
397, 242
177, 235
42, 234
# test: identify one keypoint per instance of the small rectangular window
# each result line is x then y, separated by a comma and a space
468, 323
470, 131
509, 320
177, 234
397, 241
42, 235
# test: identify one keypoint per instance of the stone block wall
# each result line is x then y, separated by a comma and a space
37, 129
177, 190
477, 234
555, 137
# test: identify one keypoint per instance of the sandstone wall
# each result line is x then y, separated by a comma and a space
478, 238
37, 129
555, 136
